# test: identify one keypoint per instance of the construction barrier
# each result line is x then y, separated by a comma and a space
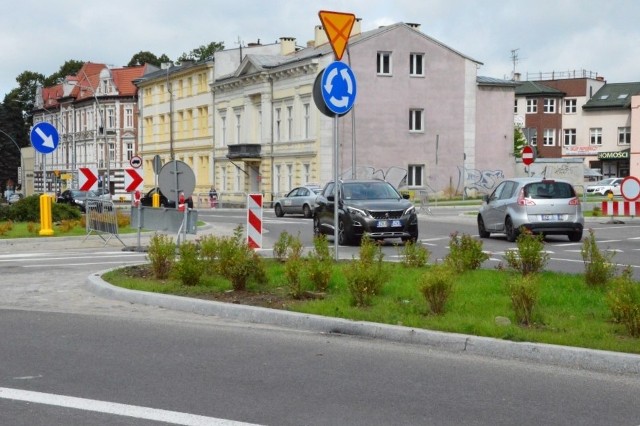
102, 218
620, 208
254, 220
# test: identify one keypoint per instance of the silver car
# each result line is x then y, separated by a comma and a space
543, 206
300, 200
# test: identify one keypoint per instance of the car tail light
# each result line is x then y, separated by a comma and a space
574, 201
522, 201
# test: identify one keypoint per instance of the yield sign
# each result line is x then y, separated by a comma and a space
338, 27
132, 179
87, 178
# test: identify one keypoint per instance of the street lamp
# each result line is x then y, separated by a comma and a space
22, 177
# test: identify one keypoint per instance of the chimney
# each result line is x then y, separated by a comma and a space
516, 76
287, 45
166, 65
357, 27
320, 36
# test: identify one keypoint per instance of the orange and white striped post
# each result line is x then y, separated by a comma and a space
254, 221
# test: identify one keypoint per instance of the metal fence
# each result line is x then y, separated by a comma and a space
102, 218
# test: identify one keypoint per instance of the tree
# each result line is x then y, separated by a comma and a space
519, 141
13, 128
145, 57
70, 67
203, 52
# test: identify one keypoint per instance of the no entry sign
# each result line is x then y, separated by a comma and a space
528, 157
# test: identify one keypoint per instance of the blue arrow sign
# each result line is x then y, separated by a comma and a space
44, 138
338, 87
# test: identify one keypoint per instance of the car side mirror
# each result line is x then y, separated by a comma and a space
406, 196
331, 198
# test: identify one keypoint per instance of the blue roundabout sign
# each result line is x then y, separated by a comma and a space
338, 87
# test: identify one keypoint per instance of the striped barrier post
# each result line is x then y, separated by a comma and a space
254, 221
620, 208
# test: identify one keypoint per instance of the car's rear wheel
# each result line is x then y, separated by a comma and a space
482, 230
574, 237
306, 211
510, 230
279, 211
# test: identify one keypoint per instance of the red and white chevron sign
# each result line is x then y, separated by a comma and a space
254, 221
132, 179
621, 208
87, 178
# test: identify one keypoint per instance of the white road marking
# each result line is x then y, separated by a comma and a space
173, 417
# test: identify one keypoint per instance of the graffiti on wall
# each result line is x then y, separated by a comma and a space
476, 180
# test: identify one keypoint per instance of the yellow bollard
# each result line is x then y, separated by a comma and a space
46, 221
155, 200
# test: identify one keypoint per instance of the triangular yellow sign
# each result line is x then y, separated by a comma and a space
338, 27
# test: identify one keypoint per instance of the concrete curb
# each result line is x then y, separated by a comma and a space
586, 359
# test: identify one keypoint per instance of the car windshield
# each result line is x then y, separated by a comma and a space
369, 191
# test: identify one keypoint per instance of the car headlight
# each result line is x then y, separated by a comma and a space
410, 210
355, 211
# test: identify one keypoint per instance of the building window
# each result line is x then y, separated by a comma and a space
549, 137
416, 120
549, 106
414, 174
223, 178
307, 121
129, 150
223, 130
290, 123
128, 117
384, 63
416, 61
569, 137
276, 179
289, 176
278, 120
111, 118
306, 171
570, 106
238, 126
595, 135
624, 135
515, 106
532, 106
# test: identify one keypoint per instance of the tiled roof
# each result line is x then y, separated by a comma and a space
50, 95
613, 95
87, 78
123, 79
531, 88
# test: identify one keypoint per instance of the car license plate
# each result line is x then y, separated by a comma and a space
550, 217
396, 223
382, 224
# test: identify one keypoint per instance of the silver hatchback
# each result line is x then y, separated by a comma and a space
543, 206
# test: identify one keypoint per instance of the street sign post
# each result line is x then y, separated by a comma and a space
630, 188
337, 26
44, 138
338, 87
135, 162
528, 156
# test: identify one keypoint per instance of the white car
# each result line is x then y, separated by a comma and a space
605, 187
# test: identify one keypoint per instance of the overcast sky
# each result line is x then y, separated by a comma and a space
550, 35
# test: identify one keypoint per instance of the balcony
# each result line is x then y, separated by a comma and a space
244, 151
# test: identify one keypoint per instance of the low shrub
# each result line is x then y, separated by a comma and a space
5, 227
161, 255
414, 255
366, 276
281, 246
599, 268
465, 253
189, 267
623, 300
530, 257
293, 267
238, 262
523, 291
436, 286
320, 264
209, 252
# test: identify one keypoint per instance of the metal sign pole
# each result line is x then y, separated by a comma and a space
336, 197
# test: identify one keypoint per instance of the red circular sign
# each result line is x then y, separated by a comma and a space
528, 156
135, 162
630, 188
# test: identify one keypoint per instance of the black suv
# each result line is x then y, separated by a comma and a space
365, 207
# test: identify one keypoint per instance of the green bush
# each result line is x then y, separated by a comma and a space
293, 267
623, 299
281, 246
189, 267
209, 252
530, 257
465, 253
414, 255
599, 268
320, 264
28, 210
523, 291
238, 262
366, 276
436, 286
161, 255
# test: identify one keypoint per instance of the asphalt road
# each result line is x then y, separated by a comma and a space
70, 357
